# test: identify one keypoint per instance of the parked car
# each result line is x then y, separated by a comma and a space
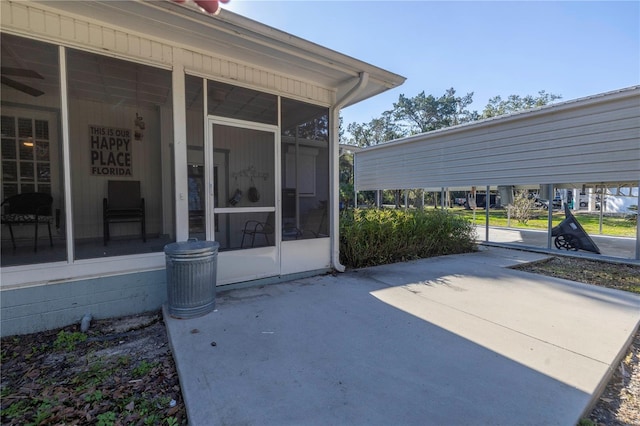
544, 204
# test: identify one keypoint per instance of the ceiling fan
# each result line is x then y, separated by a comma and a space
20, 72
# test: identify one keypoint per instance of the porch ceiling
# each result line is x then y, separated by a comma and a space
239, 38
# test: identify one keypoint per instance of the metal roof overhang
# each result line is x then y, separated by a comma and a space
244, 40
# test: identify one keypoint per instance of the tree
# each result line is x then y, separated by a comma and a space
514, 103
345, 166
377, 131
424, 113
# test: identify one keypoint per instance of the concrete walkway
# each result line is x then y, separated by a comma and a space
615, 247
453, 340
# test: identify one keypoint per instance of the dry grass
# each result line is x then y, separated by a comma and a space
619, 276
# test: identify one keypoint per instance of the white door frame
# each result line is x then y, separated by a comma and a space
252, 263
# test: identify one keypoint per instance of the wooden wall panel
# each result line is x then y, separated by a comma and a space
37, 20
256, 78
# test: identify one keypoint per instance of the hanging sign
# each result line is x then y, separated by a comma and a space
110, 151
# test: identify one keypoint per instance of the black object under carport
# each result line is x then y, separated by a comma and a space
571, 236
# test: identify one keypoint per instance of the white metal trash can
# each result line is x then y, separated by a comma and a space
191, 277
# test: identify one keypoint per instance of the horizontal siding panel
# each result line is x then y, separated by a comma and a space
109, 39
589, 142
253, 77
79, 33
36, 18
516, 172
625, 147
573, 123
95, 36
623, 150
561, 166
525, 177
532, 138
122, 42
51, 23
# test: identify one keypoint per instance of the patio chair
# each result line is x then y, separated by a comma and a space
256, 227
124, 204
314, 224
28, 208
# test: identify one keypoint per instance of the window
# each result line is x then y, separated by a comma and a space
121, 130
229, 101
195, 156
26, 162
305, 170
30, 149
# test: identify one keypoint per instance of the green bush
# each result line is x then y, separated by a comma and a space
371, 237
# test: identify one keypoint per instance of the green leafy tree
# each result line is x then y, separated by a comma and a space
345, 166
424, 113
378, 130
497, 106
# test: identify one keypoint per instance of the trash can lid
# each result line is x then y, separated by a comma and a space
191, 247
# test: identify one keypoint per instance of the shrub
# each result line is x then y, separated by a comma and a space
371, 237
523, 207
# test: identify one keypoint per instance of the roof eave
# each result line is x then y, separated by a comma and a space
237, 37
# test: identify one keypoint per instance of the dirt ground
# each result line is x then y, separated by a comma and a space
121, 371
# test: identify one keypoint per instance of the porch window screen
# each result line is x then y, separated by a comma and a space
305, 170
225, 100
31, 150
121, 127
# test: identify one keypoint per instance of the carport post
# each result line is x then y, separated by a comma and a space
487, 200
550, 215
637, 224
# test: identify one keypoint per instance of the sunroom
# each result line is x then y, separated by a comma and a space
198, 126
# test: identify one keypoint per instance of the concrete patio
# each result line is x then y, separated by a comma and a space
453, 340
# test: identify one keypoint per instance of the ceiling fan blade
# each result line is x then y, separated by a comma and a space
21, 72
21, 87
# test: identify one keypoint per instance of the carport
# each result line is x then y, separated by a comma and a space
584, 145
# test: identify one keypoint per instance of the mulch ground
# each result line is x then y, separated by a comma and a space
121, 372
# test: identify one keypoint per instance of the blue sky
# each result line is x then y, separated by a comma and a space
571, 48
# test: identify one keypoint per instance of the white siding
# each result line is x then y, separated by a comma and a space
234, 72
591, 140
35, 20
